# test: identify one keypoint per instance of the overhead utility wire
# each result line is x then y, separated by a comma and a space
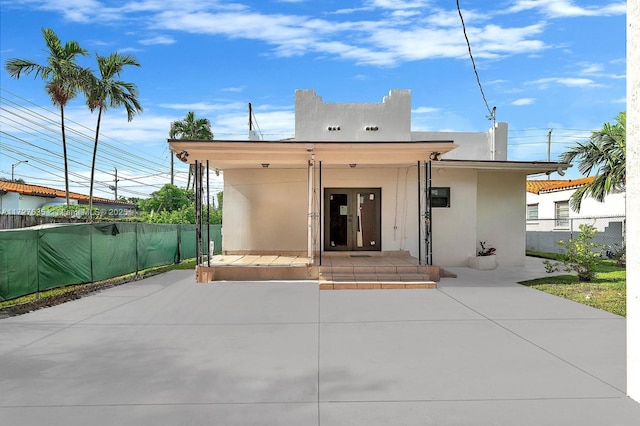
90, 138
129, 158
145, 156
77, 162
492, 112
36, 159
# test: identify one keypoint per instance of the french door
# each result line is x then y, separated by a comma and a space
352, 219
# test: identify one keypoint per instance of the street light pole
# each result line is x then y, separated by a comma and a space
13, 167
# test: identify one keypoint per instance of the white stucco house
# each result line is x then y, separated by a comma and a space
550, 217
356, 178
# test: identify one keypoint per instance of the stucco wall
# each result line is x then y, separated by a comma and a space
265, 210
454, 228
14, 203
501, 214
348, 121
471, 145
613, 205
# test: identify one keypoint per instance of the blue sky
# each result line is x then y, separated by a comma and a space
544, 64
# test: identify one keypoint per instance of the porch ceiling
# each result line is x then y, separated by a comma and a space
226, 154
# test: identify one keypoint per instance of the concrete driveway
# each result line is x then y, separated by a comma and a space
479, 350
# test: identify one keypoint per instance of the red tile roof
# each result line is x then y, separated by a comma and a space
537, 186
44, 191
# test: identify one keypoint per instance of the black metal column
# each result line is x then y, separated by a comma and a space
320, 212
429, 216
419, 218
198, 200
208, 221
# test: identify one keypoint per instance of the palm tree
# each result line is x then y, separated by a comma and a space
604, 152
105, 92
191, 128
63, 79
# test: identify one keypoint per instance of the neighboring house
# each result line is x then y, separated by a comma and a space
24, 199
356, 178
550, 217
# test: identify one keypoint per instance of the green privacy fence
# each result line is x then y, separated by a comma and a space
51, 256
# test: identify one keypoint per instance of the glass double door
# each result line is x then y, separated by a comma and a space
352, 219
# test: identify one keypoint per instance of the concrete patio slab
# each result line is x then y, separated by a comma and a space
479, 350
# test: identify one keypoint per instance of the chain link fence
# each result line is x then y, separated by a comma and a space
542, 234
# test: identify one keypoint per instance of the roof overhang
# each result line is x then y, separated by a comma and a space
229, 154
529, 167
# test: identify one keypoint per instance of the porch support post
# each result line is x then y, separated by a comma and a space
428, 217
419, 218
197, 180
208, 221
310, 210
320, 211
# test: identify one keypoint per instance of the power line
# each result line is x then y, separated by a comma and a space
492, 112
49, 125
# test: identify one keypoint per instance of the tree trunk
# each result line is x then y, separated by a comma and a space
93, 165
64, 154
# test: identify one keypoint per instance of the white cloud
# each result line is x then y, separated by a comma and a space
567, 8
157, 40
425, 110
523, 101
204, 106
238, 89
408, 32
564, 81
398, 4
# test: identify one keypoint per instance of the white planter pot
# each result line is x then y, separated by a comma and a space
484, 263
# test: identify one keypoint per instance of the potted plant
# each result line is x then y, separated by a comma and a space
485, 258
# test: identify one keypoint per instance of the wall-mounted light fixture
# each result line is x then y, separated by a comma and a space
265, 165
371, 128
183, 156
353, 165
217, 172
435, 156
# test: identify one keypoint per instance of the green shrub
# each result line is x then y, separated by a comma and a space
581, 256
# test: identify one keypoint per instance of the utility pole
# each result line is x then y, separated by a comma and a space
13, 168
171, 156
116, 185
549, 150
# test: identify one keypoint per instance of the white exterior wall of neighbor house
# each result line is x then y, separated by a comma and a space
613, 205
14, 203
265, 210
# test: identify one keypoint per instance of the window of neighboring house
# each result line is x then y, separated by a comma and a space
562, 214
440, 197
532, 211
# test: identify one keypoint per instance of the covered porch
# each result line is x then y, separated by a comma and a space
339, 270
316, 163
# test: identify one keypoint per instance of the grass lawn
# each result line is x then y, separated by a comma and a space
607, 291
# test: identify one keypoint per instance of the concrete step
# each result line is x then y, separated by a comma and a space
408, 269
376, 285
